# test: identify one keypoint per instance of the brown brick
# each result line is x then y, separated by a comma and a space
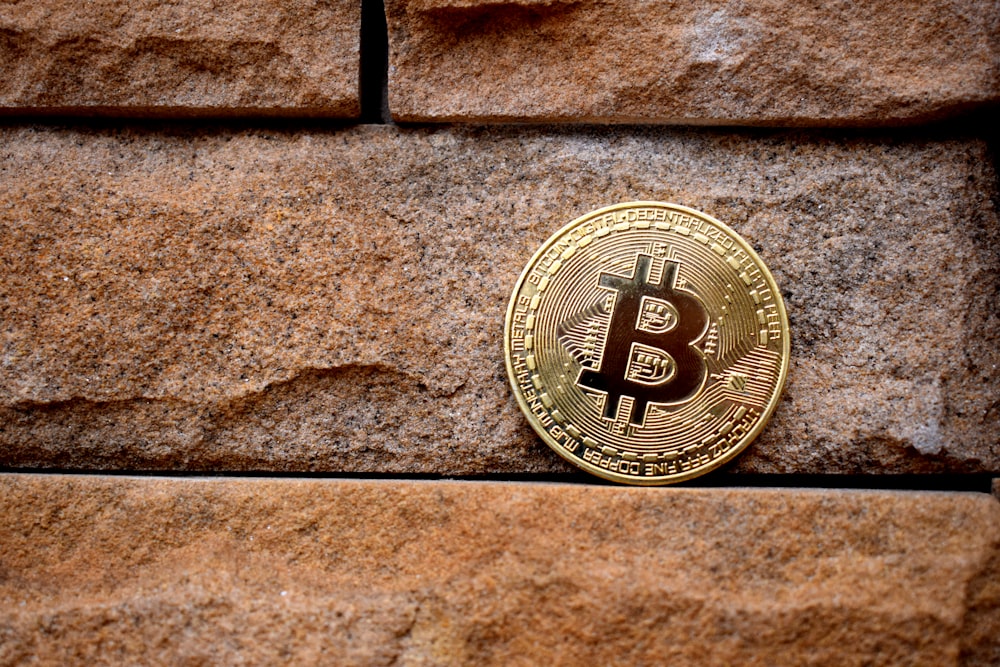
260, 300
187, 58
705, 62
160, 571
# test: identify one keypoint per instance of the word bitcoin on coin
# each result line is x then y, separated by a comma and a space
647, 343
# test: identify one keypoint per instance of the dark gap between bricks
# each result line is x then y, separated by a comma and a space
945, 482
374, 74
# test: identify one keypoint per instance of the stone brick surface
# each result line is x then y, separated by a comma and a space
192, 57
261, 300
710, 61
225, 571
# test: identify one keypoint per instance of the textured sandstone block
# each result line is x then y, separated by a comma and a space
142, 57
140, 571
334, 301
711, 61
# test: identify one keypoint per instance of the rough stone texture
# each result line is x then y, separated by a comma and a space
140, 571
192, 57
334, 300
711, 61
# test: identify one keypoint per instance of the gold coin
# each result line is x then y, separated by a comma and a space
647, 343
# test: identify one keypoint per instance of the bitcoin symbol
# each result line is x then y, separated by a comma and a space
649, 353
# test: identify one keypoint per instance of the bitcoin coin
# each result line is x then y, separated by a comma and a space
646, 343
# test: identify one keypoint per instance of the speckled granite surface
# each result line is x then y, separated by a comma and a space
163, 571
333, 300
711, 61
239, 297
182, 58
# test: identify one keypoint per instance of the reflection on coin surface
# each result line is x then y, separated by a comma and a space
646, 343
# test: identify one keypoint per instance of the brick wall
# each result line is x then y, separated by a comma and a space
253, 272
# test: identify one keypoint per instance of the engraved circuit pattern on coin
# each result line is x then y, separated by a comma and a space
647, 343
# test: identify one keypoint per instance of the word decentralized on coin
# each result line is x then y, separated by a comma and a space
647, 343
